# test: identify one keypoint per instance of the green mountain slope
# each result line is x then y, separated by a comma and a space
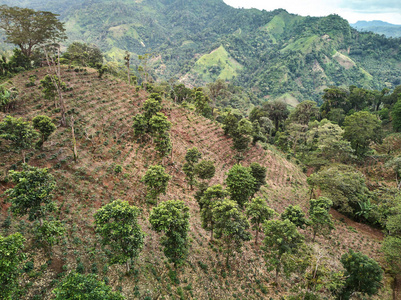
273, 53
379, 27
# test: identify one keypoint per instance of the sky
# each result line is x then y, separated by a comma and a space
351, 10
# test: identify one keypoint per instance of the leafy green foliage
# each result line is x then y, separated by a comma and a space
28, 28
230, 226
84, 287
156, 180
281, 239
172, 217
320, 219
192, 157
344, 185
206, 204
49, 85
48, 233
118, 226
295, 215
363, 274
396, 116
304, 112
83, 54
8, 98
32, 193
45, 125
11, 257
392, 252
20, 133
259, 173
362, 128
205, 169
259, 212
240, 183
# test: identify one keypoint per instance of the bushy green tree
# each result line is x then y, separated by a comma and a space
240, 183
20, 133
172, 218
156, 180
392, 252
45, 125
49, 85
277, 111
259, 173
118, 226
304, 112
296, 215
32, 193
11, 257
49, 232
281, 239
320, 219
84, 287
361, 129
206, 204
205, 169
259, 212
230, 226
83, 54
363, 274
192, 157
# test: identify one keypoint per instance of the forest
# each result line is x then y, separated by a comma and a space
117, 184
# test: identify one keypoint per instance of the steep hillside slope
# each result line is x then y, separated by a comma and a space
103, 110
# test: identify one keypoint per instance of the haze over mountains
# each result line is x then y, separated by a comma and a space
379, 27
273, 54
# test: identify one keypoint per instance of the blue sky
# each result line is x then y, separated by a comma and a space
351, 10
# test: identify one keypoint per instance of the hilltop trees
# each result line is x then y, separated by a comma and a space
45, 125
83, 54
29, 29
172, 218
118, 226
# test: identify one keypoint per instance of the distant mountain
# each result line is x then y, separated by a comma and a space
379, 27
272, 54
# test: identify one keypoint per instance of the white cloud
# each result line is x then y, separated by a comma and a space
352, 10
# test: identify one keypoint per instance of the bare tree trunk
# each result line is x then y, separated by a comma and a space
74, 142
56, 71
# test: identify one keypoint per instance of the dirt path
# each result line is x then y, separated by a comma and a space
366, 229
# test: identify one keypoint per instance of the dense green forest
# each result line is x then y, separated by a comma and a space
273, 54
117, 183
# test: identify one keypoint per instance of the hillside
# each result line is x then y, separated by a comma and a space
103, 110
274, 54
379, 27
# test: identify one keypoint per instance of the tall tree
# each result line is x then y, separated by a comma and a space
32, 193
295, 215
20, 133
241, 184
259, 212
156, 180
281, 239
206, 204
29, 29
320, 219
192, 157
259, 173
361, 129
231, 226
277, 111
172, 218
118, 226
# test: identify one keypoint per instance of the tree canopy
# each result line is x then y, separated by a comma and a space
28, 28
